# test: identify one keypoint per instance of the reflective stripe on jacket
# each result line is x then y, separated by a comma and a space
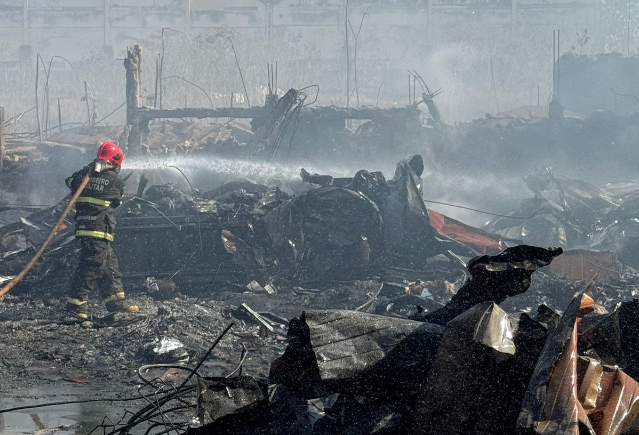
94, 201
94, 234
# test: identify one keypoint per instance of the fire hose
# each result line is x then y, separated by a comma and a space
54, 231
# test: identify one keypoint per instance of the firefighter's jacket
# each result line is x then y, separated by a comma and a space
94, 210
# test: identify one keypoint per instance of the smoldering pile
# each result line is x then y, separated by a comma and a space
424, 352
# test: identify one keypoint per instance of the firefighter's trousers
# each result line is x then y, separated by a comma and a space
98, 266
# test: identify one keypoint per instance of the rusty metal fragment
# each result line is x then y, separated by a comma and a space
551, 404
609, 396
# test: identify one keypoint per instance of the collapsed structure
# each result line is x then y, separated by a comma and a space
462, 363
398, 319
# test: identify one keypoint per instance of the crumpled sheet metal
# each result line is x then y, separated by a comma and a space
409, 233
628, 313
241, 186
570, 395
621, 236
487, 324
352, 352
524, 257
336, 337
609, 396
243, 405
480, 241
364, 416
563, 212
466, 379
30, 233
169, 199
551, 405
348, 231
600, 336
571, 196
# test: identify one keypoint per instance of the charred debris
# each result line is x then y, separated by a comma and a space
342, 305
456, 330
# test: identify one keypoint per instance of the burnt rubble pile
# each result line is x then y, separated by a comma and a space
365, 227
576, 215
479, 371
264, 234
402, 320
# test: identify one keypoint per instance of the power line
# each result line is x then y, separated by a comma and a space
486, 212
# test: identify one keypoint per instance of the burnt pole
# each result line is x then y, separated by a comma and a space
138, 130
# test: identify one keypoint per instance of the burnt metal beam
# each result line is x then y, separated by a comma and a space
188, 112
148, 114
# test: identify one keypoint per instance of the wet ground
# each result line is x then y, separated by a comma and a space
61, 419
44, 358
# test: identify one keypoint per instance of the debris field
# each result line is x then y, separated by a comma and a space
323, 303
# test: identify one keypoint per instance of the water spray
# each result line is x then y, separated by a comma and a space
232, 167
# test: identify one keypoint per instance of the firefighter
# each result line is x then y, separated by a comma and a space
95, 229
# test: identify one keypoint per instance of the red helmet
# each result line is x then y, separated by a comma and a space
111, 153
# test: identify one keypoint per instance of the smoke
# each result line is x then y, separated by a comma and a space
488, 192
455, 69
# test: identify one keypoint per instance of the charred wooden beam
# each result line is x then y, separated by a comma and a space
139, 128
133, 67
